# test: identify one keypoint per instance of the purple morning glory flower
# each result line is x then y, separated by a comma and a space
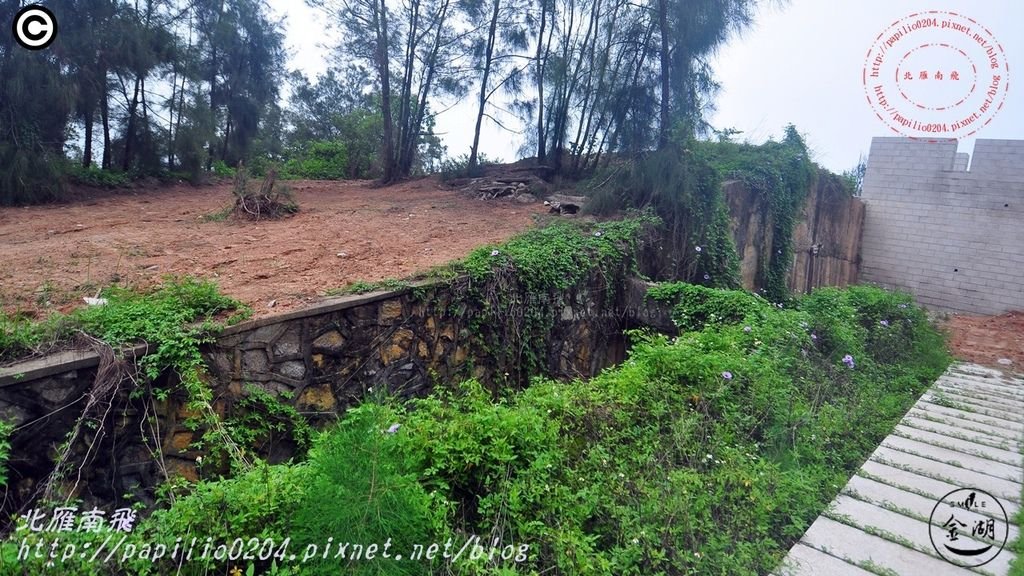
699, 248
707, 277
884, 322
848, 360
814, 336
494, 252
727, 375
393, 428
746, 328
903, 305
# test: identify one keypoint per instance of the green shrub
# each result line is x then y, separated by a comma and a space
6, 429
220, 168
458, 166
97, 177
261, 421
21, 336
362, 492
708, 453
253, 507
696, 306
319, 160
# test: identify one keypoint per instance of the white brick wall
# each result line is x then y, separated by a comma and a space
953, 238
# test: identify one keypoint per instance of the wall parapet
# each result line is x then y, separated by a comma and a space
950, 236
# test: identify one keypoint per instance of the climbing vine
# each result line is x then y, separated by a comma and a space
781, 173
683, 188
513, 294
174, 321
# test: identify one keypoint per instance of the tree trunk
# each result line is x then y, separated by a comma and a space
405, 131
105, 118
421, 106
663, 132
87, 152
227, 136
129, 132
483, 85
383, 69
541, 60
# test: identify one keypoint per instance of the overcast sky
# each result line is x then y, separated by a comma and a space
799, 64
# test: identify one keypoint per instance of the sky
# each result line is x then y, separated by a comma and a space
801, 63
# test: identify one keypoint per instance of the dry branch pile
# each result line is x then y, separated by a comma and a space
264, 203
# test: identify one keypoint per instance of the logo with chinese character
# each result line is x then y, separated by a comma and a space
968, 527
936, 75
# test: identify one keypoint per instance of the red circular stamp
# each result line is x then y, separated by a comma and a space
936, 75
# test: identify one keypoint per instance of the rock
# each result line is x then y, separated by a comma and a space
272, 303
318, 398
342, 254
390, 311
526, 198
330, 342
564, 208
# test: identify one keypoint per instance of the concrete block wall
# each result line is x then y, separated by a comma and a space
954, 238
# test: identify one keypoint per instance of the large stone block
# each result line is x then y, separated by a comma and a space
329, 343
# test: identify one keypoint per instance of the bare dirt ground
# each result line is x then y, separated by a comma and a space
988, 339
52, 256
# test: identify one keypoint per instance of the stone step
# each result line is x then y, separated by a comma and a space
806, 561
975, 371
999, 434
1015, 429
858, 547
1015, 393
960, 445
991, 409
950, 431
908, 503
910, 531
977, 464
911, 482
967, 405
1006, 379
1014, 406
959, 477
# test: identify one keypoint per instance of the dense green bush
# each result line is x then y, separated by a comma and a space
97, 177
681, 187
706, 453
319, 160
515, 291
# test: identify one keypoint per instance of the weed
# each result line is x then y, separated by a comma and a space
219, 215
262, 420
6, 429
361, 287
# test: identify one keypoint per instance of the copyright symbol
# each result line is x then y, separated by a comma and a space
34, 27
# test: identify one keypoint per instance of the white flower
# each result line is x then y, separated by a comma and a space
597, 234
494, 252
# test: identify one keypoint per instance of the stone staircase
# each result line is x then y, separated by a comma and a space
897, 513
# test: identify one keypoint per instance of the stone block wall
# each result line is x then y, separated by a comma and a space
826, 239
319, 360
952, 237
